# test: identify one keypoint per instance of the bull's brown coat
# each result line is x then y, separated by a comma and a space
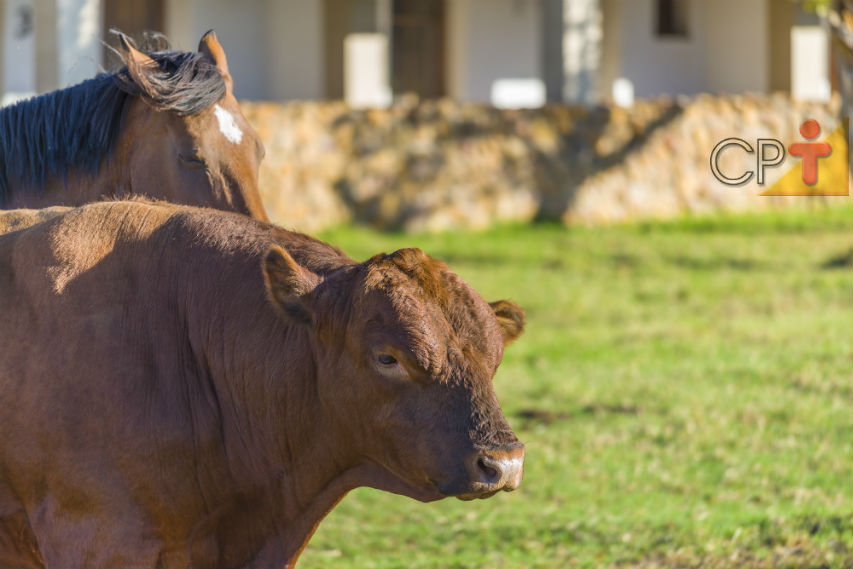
184, 387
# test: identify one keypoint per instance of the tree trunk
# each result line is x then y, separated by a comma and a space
840, 19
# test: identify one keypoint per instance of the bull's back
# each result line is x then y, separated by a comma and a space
17, 219
41, 250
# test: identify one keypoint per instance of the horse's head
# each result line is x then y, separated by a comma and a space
185, 138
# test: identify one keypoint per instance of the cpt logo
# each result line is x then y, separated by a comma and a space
822, 167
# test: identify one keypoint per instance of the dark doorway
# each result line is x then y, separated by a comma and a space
417, 51
672, 18
133, 17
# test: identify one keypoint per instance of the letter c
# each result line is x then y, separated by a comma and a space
715, 157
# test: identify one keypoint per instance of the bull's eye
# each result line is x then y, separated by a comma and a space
386, 360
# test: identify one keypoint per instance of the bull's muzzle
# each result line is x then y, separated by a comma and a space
493, 470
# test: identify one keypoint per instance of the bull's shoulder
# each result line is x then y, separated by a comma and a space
230, 232
315, 255
50, 247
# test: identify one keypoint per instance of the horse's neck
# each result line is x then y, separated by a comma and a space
74, 189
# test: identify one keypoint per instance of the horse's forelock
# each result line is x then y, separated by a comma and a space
182, 82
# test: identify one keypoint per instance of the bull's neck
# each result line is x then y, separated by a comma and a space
274, 432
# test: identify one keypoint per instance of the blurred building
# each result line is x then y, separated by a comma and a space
508, 52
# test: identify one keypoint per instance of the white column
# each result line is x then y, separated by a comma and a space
810, 63
809, 58
366, 81
78, 29
582, 39
17, 65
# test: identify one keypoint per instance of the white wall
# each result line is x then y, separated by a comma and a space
240, 28
658, 65
489, 41
738, 55
295, 59
274, 47
727, 49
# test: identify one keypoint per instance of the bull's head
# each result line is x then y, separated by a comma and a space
405, 353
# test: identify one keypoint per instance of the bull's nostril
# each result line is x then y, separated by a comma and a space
491, 474
493, 469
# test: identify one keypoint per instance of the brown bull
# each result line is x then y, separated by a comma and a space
185, 387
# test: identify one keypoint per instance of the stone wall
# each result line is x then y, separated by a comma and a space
438, 165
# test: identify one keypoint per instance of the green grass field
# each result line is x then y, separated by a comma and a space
684, 389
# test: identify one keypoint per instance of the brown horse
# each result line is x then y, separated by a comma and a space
166, 125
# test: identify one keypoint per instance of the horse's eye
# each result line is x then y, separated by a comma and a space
191, 161
386, 360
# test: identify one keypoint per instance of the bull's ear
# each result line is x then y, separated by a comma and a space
510, 318
289, 284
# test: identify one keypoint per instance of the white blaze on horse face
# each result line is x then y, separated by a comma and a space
227, 125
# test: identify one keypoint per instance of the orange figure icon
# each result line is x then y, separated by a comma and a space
810, 151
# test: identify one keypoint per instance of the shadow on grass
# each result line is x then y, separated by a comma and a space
548, 417
843, 261
804, 542
693, 263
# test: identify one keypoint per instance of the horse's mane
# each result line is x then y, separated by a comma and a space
77, 127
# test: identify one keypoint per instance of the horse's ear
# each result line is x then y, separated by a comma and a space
210, 47
132, 56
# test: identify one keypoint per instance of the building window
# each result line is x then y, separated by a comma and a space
672, 18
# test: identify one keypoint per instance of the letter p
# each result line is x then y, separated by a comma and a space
763, 161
